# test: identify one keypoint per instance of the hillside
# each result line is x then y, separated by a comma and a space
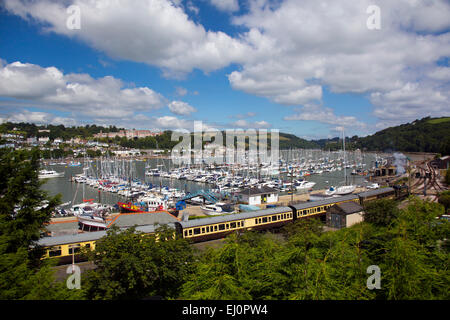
424, 135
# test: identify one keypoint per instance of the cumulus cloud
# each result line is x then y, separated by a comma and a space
180, 91
327, 116
50, 88
39, 118
226, 5
181, 108
156, 32
244, 115
299, 49
244, 124
287, 53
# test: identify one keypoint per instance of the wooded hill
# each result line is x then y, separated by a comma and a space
424, 135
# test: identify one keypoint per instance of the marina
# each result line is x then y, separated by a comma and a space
94, 189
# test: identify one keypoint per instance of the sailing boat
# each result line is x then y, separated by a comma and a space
345, 189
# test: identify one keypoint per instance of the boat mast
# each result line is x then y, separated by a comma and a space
345, 164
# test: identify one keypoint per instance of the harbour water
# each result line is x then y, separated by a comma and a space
75, 192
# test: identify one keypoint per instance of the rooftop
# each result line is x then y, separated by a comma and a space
258, 190
348, 207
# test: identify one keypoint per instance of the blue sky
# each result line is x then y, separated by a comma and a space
287, 65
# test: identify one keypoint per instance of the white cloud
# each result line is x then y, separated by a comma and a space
244, 124
226, 5
244, 115
156, 32
181, 108
327, 116
49, 88
298, 49
39, 118
288, 53
181, 91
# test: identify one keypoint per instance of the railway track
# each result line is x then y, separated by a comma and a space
428, 180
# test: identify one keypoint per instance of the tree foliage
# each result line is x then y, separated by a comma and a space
308, 263
381, 212
24, 209
131, 265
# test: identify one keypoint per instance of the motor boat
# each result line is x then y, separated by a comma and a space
345, 189
217, 208
304, 185
331, 191
44, 174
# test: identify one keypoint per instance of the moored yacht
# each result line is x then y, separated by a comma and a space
217, 208
43, 174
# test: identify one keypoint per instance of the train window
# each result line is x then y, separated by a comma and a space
256, 221
185, 233
197, 231
88, 245
221, 226
233, 225
242, 223
55, 251
190, 232
215, 228
274, 218
203, 230
74, 248
264, 220
228, 226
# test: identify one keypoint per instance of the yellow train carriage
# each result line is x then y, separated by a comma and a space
68, 247
320, 207
219, 226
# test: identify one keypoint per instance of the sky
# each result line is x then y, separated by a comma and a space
307, 67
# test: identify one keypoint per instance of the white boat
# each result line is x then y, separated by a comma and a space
345, 189
91, 222
217, 208
373, 186
304, 185
43, 174
331, 191
88, 208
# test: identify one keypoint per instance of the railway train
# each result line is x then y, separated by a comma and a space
68, 247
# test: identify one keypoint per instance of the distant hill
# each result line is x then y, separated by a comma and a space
288, 141
424, 135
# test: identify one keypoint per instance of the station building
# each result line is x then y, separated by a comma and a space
259, 195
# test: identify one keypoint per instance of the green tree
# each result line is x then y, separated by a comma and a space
24, 209
380, 212
131, 265
444, 199
246, 267
415, 265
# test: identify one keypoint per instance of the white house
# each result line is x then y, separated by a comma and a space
259, 195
